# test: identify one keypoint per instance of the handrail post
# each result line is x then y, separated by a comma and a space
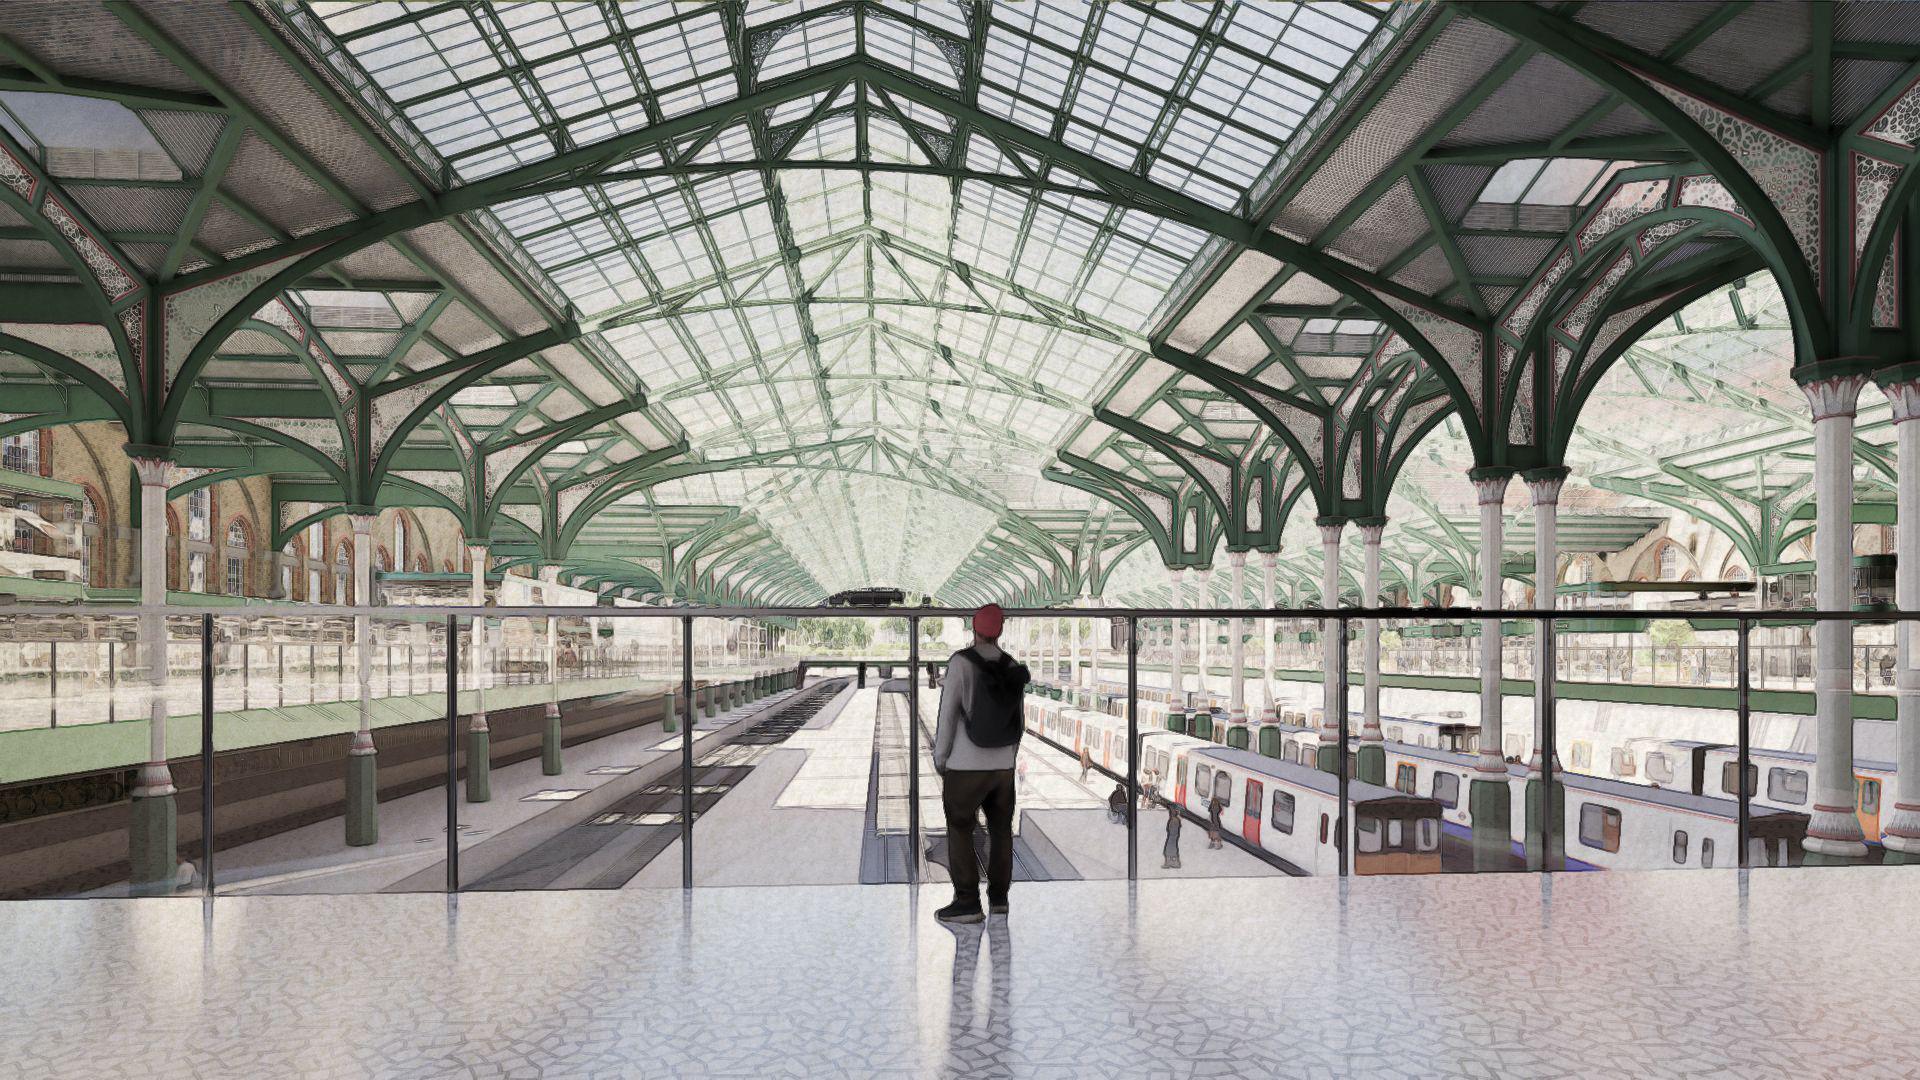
1133, 748
453, 753
1743, 719
1552, 802
686, 752
913, 750
1341, 751
206, 753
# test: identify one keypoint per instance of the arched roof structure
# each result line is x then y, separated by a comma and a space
974, 299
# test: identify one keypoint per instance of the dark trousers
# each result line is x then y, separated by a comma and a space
965, 793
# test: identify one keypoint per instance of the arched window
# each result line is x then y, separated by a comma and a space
1736, 572
237, 544
399, 540
89, 537
200, 515
1669, 563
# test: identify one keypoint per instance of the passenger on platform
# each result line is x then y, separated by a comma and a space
1117, 805
1086, 763
1213, 823
975, 750
1170, 853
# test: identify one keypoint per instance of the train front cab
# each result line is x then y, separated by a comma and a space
1396, 836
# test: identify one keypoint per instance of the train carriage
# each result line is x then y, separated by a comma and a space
1292, 811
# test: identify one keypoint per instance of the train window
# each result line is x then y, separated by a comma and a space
1446, 789
1680, 847
1787, 785
1323, 828
1659, 767
1223, 788
1621, 762
1869, 796
1369, 830
1396, 833
1600, 827
1393, 733
1403, 777
1203, 780
1291, 753
1730, 778
1426, 834
1706, 852
1582, 755
1282, 819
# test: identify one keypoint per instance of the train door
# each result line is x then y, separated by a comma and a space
1180, 779
1251, 810
1866, 793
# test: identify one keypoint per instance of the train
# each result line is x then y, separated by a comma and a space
1676, 809
1286, 810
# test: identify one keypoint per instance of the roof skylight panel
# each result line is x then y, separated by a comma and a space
809, 43
895, 42
540, 29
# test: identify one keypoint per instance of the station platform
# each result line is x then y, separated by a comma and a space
1709, 973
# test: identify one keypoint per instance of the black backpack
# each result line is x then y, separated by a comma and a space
993, 710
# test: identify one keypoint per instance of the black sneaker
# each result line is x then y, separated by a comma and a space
961, 911
997, 907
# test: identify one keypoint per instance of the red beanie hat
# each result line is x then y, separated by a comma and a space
988, 621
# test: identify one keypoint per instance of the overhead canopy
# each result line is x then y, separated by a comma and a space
969, 299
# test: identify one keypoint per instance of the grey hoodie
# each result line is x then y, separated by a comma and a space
951, 747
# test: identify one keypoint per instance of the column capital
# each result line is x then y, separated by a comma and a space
1330, 529
1269, 559
362, 523
1490, 483
153, 472
1545, 484
1371, 530
1905, 398
1236, 559
1833, 395
1177, 573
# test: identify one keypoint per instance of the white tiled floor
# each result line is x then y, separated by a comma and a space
1788, 973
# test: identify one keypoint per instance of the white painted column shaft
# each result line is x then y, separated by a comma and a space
1490, 491
1329, 650
1545, 490
477, 597
1236, 641
1370, 534
1270, 712
155, 778
1833, 829
1176, 578
362, 743
1902, 827
1203, 588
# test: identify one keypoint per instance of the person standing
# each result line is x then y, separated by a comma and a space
1170, 853
975, 749
1213, 823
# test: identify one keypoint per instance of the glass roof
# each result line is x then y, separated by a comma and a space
955, 327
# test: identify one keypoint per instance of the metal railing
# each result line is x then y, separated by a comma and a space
1336, 626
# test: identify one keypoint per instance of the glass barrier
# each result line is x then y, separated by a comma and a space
570, 771
99, 775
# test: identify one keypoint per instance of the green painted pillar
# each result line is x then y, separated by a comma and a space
1269, 741
1555, 856
669, 716
363, 800
550, 742
1372, 764
151, 835
1490, 804
1176, 722
479, 764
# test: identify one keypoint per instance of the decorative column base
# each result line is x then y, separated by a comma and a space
550, 742
1328, 758
670, 714
1490, 805
1834, 837
1239, 737
1202, 726
153, 844
479, 763
1554, 858
363, 795
1371, 768
1903, 833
